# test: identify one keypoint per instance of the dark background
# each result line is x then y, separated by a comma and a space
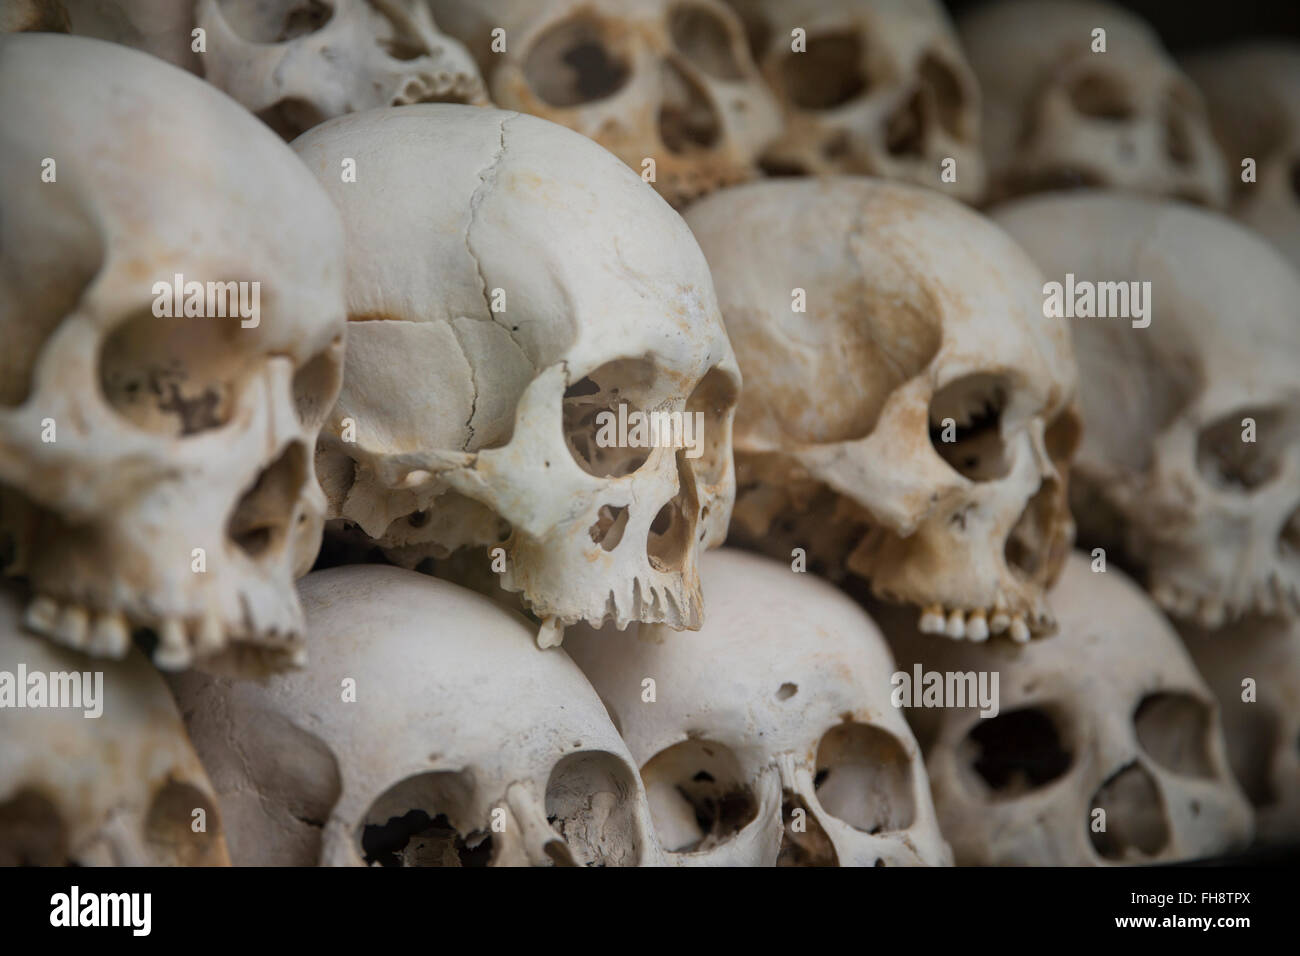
1187, 25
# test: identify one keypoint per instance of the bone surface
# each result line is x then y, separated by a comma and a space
123, 788
156, 466
1058, 113
913, 425
1109, 715
427, 730
498, 309
1189, 469
770, 737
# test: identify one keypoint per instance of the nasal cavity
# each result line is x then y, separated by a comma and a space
803, 842
1135, 827
673, 528
688, 123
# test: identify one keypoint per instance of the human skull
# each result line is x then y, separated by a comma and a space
296, 63
664, 80
1262, 731
1189, 471
427, 730
1253, 94
913, 424
128, 442
1107, 715
881, 88
780, 704
497, 308
1057, 114
117, 789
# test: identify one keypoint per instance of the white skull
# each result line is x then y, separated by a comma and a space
881, 88
1189, 469
775, 718
296, 63
129, 441
427, 730
923, 323
1108, 715
117, 789
1263, 732
1253, 94
496, 308
657, 80
1058, 114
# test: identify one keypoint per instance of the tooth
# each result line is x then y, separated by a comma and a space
41, 614
551, 633
71, 626
109, 635
1186, 604
1019, 630
956, 627
1211, 615
173, 652
977, 628
1165, 596
932, 621
209, 638
999, 622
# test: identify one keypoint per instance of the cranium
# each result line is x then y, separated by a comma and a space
1058, 114
497, 309
156, 473
881, 88
1261, 723
775, 716
1108, 715
296, 63
655, 80
1253, 94
1189, 470
427, 730
117, 789
912, 425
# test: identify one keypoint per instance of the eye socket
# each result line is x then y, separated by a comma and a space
966, 426
276, 22
704, 38
864, 777
1016, 752
619, 391
1099, 96
168, 831
698, 796
577, 61
1174, 730
589, 803
1136, 828
423, 821
1230, 463
827, 75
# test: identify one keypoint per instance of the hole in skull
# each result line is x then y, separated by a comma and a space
168, 831
590, 802
708, 407
611, 522
1017, 752
1135, 817
972, 443
260, 521
606, 426
1099, 96
705, 39
420, 821
290, 117
943, 85
1174, 730
907, 127
1034, 543
786, 691
776, 167
673, 529
31, 832
864, 777
1229, 462
687, 120
275, 22
697, 794
803, 841
175, 376
828, 74
575, 62
316, 385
